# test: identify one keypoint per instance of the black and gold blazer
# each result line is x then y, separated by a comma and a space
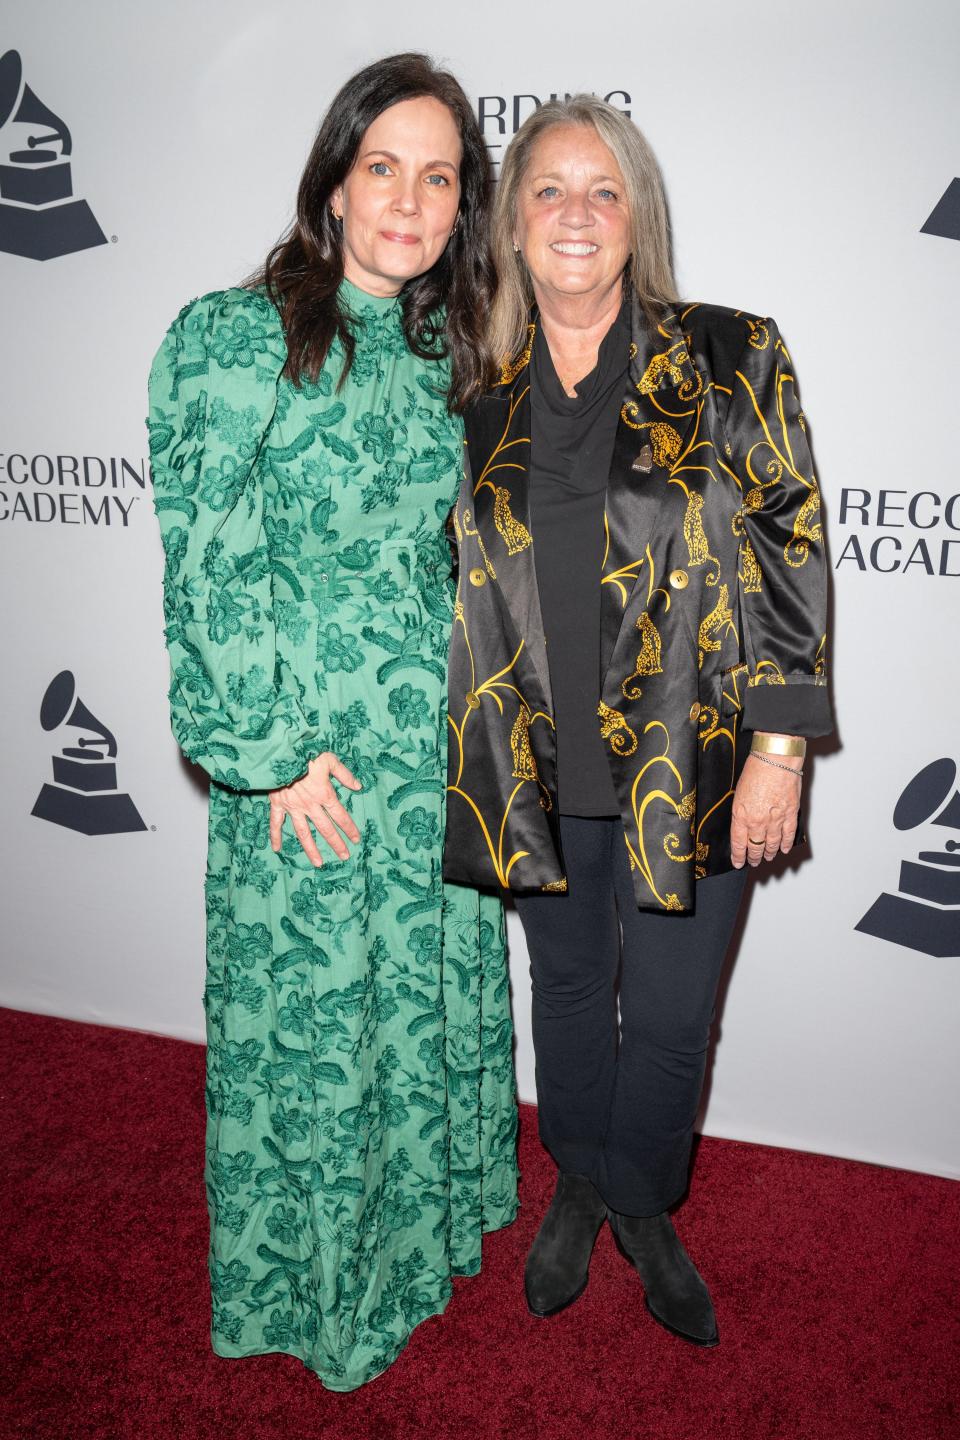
714, 592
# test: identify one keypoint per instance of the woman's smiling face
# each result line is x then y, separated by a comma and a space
573, 224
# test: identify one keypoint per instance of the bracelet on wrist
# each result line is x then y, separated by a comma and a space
779, 744
777, 764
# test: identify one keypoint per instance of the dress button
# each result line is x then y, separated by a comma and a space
324, 577
679, 579
472, 699
478, 577
695, 710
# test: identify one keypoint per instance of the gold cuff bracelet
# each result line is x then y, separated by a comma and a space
779, 744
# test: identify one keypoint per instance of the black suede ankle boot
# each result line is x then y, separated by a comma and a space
558, 1265
675, 1294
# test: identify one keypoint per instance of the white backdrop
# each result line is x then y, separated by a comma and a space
803, 153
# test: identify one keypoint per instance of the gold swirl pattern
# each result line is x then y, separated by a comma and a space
475, 533
613, 727
806, 530
690, 387
676, 850
625, 576
642, 798
759, 337
708, 720
768, 673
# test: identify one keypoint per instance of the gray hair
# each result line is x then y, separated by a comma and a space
649, 269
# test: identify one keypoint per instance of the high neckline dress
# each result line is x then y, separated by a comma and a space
361, 1112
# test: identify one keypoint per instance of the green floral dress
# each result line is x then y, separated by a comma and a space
360, 1092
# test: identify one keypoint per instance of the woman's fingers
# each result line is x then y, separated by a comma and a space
770, 832
340, 817
277, 813
305, 835
789, 832
760, 840
324, 826
340, 772
319, 820
738, 842
748, 838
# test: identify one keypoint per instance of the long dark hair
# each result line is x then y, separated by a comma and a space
304, 269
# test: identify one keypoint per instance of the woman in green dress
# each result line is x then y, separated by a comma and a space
360, 1092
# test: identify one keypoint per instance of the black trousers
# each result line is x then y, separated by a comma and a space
619, 1105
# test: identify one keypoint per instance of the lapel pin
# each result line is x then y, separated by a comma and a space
644, 461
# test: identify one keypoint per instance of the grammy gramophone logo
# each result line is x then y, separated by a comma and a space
925, 914
944, 218
38, 216
84, 794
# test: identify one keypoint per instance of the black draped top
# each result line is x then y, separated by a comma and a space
570, 453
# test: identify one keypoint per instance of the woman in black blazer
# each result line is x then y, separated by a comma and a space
637, 660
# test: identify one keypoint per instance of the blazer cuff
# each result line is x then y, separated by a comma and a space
788, 709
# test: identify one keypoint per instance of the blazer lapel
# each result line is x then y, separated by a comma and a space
659, 407
498, 447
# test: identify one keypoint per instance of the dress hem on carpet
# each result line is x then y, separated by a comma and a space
225, 1351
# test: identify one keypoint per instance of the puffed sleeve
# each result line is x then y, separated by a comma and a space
783, 572
236, 708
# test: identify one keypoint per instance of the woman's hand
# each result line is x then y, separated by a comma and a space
313, 800
766, 804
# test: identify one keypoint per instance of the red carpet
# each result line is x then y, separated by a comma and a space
836, 1287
